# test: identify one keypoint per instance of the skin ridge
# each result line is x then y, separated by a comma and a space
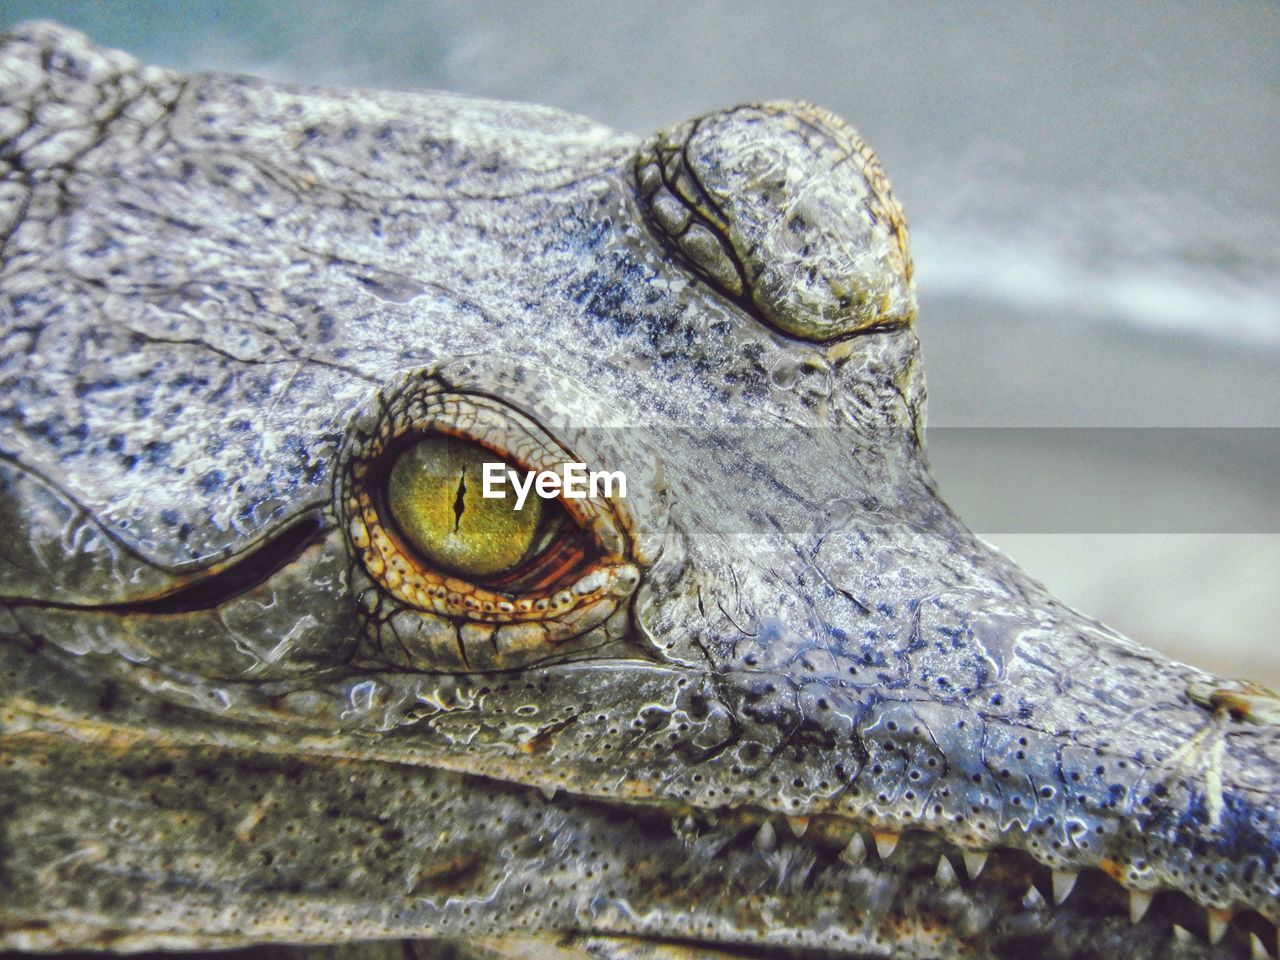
811, 715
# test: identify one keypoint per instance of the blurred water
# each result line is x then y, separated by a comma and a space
1091, 189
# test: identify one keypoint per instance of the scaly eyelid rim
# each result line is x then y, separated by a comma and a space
419, 403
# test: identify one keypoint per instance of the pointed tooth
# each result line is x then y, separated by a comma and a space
1181, 934
767, 838
548, 792
1139, 901
1033, 898
974, 861
1257, 949
855, 850
886, 843
1064, 881
946, 873
1218, 920
798, 825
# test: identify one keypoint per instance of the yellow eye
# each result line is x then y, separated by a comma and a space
434, 493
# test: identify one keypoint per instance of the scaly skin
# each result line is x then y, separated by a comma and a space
786, 704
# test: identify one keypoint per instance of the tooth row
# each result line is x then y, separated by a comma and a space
1063, 881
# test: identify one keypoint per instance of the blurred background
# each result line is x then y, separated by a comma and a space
1094, 206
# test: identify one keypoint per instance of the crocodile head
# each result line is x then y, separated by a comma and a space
274, 672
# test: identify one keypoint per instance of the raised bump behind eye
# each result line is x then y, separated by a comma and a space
785, 209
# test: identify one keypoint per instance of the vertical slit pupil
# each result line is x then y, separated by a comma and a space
460, 503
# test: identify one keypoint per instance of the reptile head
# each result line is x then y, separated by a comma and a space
275, 670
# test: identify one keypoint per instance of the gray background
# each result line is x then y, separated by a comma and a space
1094, 212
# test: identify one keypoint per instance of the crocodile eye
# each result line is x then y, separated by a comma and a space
447, 579
435, 498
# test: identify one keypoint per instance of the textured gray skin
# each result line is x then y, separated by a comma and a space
209, 282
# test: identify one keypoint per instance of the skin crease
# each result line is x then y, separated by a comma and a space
779, 701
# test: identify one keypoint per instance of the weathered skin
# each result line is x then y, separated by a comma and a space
796, 709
